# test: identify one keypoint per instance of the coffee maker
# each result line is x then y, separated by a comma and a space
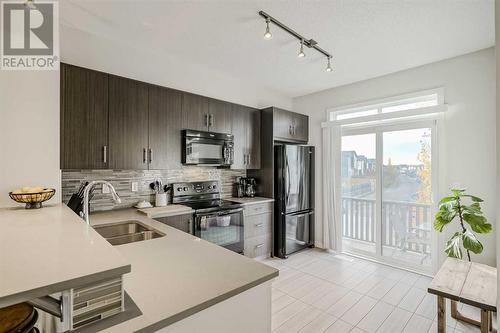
245, 187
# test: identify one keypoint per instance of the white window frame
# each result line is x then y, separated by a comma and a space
379, 104
414, 118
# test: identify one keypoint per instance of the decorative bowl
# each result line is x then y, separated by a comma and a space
33, 200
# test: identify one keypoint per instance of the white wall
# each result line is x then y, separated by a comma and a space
467, 148
497, 57
91, 51
29, 132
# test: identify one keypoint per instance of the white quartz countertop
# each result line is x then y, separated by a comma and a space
169, 210
251, 201
43, 251
178, 275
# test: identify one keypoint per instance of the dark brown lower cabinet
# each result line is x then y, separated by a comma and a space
181, 222
128, 124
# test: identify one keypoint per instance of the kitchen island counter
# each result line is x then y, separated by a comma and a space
178, 275
47, 250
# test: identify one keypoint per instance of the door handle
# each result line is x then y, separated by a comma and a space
105, 154
143, 155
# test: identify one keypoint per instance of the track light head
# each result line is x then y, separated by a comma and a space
30, 4
301, 51
328, 66
268, 34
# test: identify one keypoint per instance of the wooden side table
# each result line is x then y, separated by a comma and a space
469, 283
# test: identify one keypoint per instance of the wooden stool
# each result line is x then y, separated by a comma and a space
19, 318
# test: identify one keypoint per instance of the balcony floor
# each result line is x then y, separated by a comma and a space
409, 258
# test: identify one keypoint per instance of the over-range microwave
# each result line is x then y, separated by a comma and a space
207, 148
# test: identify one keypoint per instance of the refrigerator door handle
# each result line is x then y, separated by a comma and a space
289, 183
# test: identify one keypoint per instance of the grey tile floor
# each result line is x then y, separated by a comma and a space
317, 291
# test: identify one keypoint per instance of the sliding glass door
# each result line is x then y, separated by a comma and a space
387, 193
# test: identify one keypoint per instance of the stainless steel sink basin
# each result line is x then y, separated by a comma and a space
127, 232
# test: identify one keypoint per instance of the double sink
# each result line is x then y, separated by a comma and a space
127, 232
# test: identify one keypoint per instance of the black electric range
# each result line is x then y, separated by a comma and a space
216, 220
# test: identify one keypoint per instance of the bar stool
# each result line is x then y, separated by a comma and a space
18, 318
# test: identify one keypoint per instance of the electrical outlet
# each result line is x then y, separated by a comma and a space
135, 186
105, 189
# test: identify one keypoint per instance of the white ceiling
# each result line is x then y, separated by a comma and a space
367, 38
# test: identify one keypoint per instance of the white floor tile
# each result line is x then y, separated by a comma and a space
417, 324
297, 322
423, 282
428, 307
372, 321
339, 327
357, 330
327, 300
344, 304
320, 324
286, 313
359, 310
381, 288
366, 285
412, 299
396, 294
281, 303
276, 294
395, 322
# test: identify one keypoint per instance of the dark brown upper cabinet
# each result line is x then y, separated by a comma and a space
219, 116
128, 124
290, 126
84, 118
206, 114
195, 112
165, 125
246, 131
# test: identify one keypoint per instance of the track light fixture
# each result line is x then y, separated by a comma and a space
310, 43
328, 66
301, 51
30, 4
268, 34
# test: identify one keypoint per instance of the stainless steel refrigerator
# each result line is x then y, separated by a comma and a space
294, 199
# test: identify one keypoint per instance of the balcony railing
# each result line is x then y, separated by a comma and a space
404, 225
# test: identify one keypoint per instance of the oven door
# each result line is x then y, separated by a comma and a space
224, 228
206, 151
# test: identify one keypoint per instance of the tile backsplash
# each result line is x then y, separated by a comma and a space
122, 182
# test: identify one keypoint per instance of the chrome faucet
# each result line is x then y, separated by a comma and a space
116, 198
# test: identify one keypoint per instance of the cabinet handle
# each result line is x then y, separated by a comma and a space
211, 120
294, 130
245, 159
143, 155
150, 155
206, 119
249, 158
259, 225
105, 154
290, 130
259, 245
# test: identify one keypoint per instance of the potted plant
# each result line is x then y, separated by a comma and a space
465, 209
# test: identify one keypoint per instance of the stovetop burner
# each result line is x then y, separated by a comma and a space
201, 196
210, 205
